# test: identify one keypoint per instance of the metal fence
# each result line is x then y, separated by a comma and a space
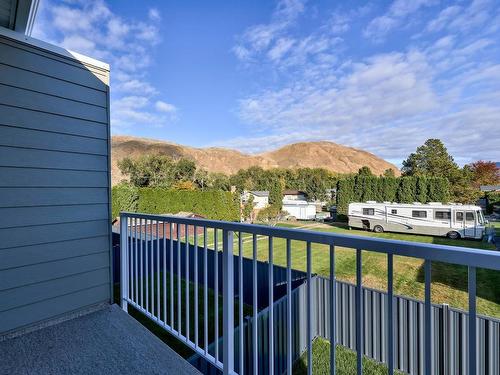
168, 302
449, 330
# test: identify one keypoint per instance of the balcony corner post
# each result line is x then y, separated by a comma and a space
228, 302
124, 261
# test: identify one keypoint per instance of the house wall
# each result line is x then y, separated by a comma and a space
54, 182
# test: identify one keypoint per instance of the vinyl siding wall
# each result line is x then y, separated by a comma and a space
54, 184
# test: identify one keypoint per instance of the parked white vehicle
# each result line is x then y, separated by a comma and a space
436, 219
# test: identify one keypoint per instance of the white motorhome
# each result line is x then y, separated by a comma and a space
434, 218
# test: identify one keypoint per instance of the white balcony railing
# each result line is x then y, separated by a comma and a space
155, 259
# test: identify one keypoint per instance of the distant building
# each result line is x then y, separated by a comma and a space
300, 209
260, 198
489, 188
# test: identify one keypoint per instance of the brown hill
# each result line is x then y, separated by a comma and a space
328, 155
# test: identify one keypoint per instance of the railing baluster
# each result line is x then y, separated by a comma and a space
333, 310
179, 291
146, 264
186, 248
216, 294
164, 273
359, 312
171, 248
151, 260
228, 302
135, 262
130, 264
205, 289
288, 307
390, 316
240, 305
195, 247
141, 262
157, 271
124, 261
255, 310
309, 309
472, 319
271, 307
428, 317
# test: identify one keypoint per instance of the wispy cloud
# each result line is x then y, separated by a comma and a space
445, 85
93, 28
398, 12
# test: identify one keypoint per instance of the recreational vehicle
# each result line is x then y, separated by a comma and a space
436, 219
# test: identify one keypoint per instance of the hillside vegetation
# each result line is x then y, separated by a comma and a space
328, 155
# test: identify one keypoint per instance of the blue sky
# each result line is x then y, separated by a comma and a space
383, 76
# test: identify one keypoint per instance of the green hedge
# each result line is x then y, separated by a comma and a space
216, 205
391, 189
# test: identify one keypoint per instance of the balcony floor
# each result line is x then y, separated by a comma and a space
107, 341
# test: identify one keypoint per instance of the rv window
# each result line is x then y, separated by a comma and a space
368, 211
460, 216
394, 212
444, 215
469, 216
419, 213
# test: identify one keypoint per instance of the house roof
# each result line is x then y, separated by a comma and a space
490, 187
293, 192
259, 193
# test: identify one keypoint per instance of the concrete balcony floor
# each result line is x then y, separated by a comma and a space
107, 341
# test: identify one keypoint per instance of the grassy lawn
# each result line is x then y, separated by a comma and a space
449, 281
345, 361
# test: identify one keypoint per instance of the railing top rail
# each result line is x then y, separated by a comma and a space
442, 253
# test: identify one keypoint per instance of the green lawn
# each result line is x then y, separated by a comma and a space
449, 281
345, 361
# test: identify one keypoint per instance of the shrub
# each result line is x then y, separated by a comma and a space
124, 197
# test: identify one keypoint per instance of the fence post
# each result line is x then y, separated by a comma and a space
124, 261
228, 301
446, 338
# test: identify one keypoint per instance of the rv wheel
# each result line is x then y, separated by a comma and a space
453, 235
378, 229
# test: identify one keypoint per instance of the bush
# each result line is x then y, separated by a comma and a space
216, 205
403, 189
124, 197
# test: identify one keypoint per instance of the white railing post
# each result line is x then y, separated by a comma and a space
124, 261
228, 301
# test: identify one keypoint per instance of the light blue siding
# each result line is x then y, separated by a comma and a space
54, 185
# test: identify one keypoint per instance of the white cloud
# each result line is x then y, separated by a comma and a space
399, 10
259, 37
446, 85
154, 14
94, 29
165, 107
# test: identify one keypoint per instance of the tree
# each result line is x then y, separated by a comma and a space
438, 189
406, 190
422, 188
484, 173
389, 172
248, 208
430, 159
365, 171
345, 194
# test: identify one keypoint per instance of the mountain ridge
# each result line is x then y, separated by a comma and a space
321, 154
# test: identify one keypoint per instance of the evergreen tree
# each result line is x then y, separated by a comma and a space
406, 190
422, 188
